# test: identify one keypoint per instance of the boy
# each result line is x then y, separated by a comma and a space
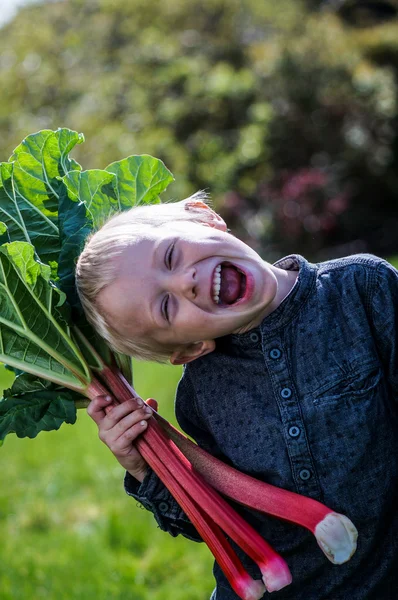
290, 375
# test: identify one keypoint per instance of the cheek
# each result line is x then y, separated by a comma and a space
194, 324
192, 316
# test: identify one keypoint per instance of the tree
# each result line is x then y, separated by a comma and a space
240, 98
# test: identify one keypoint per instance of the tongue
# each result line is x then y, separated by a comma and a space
230, 285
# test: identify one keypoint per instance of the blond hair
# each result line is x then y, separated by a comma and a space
97, 266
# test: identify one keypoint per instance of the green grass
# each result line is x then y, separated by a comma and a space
394, 261
68, 530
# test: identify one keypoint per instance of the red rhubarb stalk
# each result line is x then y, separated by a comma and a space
274, 570
334, 532
240, 581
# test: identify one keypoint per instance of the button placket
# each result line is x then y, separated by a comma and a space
296, 441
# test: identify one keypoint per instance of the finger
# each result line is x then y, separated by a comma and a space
152, 403
121, 410
97, 407
123, 444
111, 437
132, 419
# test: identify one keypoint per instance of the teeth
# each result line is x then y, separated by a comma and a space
217, 284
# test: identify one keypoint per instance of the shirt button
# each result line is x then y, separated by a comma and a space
286, 392
294, 431
305, 474
254, 338
275, 353
163, 507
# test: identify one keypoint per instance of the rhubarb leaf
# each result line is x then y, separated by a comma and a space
25, 382
40, 162
97, 190
43, 407
34, 320
141, 179
44, 157
30, 187
49, 206
4, 237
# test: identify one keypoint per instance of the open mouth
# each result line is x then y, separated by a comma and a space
229, 284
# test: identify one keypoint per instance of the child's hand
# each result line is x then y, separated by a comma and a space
118, 426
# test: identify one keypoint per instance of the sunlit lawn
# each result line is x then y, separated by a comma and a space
68, 530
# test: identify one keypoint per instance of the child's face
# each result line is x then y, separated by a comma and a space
167, 286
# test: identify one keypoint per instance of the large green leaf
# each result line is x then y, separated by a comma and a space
30, 187
140, 180
27, 219
48, 207
4, 236
97, 190
34, 327
32, 405
44, 156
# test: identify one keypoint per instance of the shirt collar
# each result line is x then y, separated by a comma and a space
289, 307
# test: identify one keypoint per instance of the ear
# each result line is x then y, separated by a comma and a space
190, 352
212, 220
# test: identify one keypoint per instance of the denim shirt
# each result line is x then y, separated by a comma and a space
307, 401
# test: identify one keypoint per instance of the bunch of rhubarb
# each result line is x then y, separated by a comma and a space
48, 206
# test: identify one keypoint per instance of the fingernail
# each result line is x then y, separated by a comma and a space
148, 409
108, 398
142, 423
139, 401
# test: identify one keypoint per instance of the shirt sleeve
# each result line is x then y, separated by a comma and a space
153, 495
384, 308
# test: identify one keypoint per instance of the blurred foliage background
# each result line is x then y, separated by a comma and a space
287, 113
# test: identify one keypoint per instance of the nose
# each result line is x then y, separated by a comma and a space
183, 283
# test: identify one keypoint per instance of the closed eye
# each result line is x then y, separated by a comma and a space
165, 308
169, 256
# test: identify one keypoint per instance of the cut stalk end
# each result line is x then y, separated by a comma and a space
337, 537
276, 574
248, 588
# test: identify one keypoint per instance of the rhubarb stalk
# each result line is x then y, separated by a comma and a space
274, 570
245, 586
334, 532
